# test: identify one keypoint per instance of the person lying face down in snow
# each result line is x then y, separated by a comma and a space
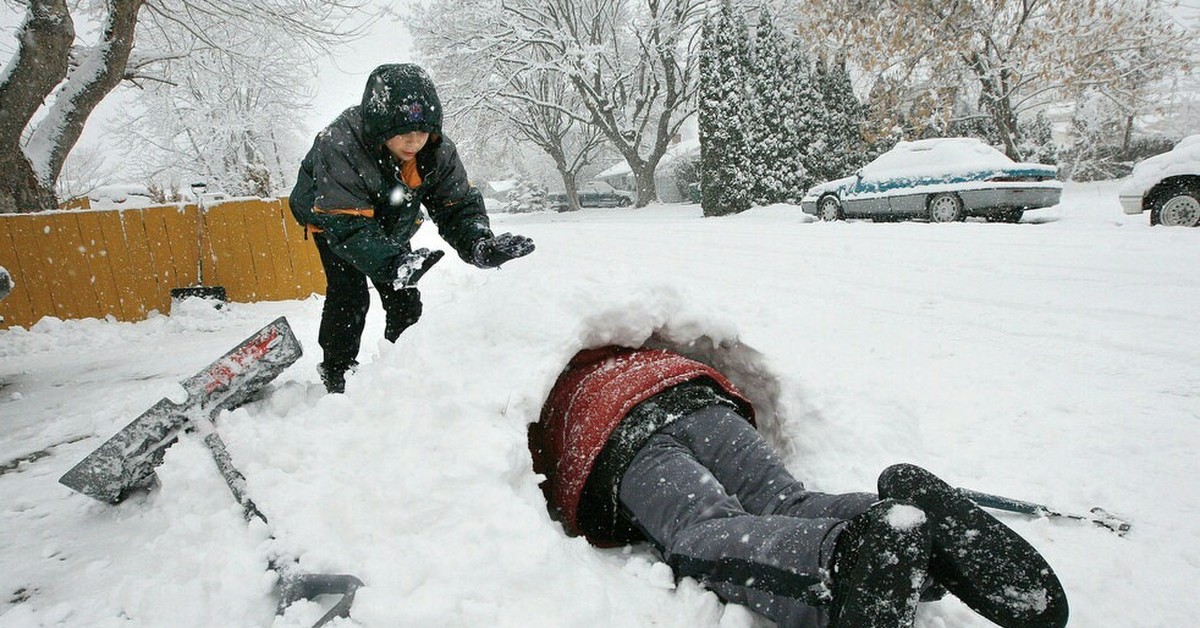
641, 444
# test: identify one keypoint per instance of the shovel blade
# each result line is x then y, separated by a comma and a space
126, 462
212, 293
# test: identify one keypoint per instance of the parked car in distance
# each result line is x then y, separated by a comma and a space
1168, 185
941, 180
593, 194
557, 201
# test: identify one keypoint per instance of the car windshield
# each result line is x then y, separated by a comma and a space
934, 157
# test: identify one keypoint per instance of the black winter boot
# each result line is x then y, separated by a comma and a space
879, 566
977, 558
333, 375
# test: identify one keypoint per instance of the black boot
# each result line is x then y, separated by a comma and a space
878, 567
333, 375
977, 558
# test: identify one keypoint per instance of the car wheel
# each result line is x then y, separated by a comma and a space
945, 208
829, 208
1178, 206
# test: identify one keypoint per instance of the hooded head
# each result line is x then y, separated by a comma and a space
399, 98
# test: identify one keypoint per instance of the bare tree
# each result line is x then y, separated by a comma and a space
635, 66
1010, 56
84, 170
484, 79
42, 63
570, 142
632, 65
227, 116
50, 66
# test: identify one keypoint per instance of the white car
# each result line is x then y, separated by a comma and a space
1168, 185
939, 180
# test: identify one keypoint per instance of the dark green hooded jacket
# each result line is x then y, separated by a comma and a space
350, 168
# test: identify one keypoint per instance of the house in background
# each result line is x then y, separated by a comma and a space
499, 190
620, 176
496, 193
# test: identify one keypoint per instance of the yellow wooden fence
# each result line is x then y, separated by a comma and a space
123, 263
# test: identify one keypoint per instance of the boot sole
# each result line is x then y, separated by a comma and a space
983, 562
884, 584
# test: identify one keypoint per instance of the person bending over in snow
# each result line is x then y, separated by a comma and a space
360, 190
647, 444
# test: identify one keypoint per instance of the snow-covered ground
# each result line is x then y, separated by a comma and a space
1057, 360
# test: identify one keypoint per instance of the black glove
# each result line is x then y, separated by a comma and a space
494, 251
411, 266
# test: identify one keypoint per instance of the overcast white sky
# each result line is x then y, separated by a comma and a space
341, 78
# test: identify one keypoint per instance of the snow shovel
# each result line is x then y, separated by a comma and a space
1098, 516
294, 584
214, 293
126, 462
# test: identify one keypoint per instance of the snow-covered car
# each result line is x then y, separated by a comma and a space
941, 180
1168, 185
557, 202
601, 194
593, 194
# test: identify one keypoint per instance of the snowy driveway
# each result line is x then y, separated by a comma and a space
1056, 361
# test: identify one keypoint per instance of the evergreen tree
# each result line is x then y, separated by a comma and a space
1039, 146
780, 120
842, 148
808, 122
724, 54
772, 123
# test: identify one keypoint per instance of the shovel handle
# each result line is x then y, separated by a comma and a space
1097, 516
307, 586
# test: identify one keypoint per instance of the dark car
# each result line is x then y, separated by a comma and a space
941, 180
593, 194
601, 194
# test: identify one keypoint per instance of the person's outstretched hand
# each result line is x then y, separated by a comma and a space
411, 266
494, 251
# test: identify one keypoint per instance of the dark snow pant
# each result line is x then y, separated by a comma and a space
719, 504
346, 303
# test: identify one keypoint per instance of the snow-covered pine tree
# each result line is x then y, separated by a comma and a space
808, 122
723, 111
842, 149
780, 123
1039, 146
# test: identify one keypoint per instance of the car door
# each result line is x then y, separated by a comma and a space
862, 197
587, 196
903, 199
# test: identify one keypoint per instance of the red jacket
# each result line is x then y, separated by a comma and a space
595, 392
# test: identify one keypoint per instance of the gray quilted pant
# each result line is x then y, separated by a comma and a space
721, 507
